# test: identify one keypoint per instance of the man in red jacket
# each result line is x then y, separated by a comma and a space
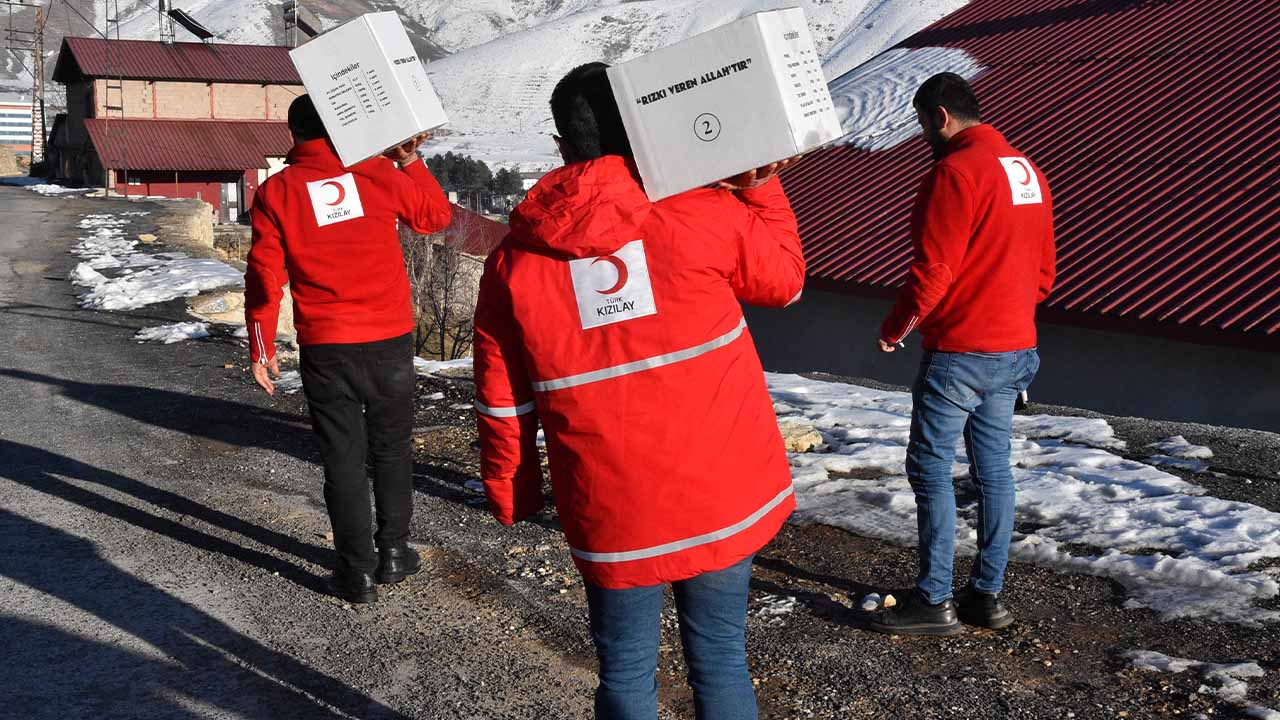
331, 233
615, 322
984, 258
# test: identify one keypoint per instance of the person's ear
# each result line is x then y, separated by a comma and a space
942, 119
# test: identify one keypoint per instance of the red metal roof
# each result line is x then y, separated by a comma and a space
473, 233
197, 62
1152, 121
188, 145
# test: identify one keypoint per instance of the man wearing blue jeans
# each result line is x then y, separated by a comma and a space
712, 610
982, 233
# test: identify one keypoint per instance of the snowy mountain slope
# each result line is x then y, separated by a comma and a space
495, 62
497, 93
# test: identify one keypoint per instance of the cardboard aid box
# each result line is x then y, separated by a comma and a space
368, 85
730, 100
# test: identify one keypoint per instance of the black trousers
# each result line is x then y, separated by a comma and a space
361, 399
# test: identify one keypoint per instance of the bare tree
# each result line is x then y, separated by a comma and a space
443, 282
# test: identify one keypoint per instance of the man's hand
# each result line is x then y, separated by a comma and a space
887, 347
407, 151
262, 374
752, 179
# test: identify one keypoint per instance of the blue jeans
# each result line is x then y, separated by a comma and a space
712, 609
970, 395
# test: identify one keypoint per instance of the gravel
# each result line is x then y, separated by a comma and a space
164, 539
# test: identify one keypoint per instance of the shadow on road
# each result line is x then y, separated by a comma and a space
223, 421
64, 478
199, 666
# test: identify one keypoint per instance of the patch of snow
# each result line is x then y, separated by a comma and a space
1177, 551
874, 99
164, 276
177, 332
435, 396
433, 367
1261, 713
1178, 446
1193, 466
168, 281
775, 607
55, 190
1229, 679
290, 382
84, 274
241, 331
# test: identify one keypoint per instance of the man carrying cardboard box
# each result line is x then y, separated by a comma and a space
331, 233
615, 321
984, 258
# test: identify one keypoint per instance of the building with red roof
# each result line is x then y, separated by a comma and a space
1151, 120
198, 120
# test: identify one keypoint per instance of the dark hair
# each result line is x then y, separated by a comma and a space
586, 115
304, 121
950, 91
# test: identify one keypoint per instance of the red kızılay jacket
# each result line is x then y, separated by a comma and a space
616, 323
331, 233
982, 232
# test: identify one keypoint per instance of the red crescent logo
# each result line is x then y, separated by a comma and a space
1025, 171
621, 267
342, 193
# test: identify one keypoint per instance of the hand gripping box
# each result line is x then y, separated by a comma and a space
368, 85
730, 100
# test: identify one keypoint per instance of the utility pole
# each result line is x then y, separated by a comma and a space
19, 41
113, 83
167, 33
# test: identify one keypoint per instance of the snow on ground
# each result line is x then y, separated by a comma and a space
1228, 680
55, 190
436, 367
1178, 452
775, 608
290, 382
874, 100
1081, 507
147, 278
175, 333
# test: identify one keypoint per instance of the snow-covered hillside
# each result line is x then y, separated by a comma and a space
495, 62
497, 93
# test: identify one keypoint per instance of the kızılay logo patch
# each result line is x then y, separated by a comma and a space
335, 200
613, 288
1023, 181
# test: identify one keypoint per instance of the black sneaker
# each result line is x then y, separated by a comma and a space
913, 616
396, 563
981, 609
354, 586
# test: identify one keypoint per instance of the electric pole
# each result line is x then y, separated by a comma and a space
19, 41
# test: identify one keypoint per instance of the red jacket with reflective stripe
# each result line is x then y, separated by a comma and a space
617, 323
331, 233
984, 253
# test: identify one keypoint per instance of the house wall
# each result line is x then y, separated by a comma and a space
1110, 372
206, 186
151, 99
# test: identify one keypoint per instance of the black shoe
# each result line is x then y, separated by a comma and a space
396, 563
981, 609
913, 616
354, 586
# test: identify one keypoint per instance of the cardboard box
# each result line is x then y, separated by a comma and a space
736, 98
369, 86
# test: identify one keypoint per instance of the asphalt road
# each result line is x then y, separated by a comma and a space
162, 542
